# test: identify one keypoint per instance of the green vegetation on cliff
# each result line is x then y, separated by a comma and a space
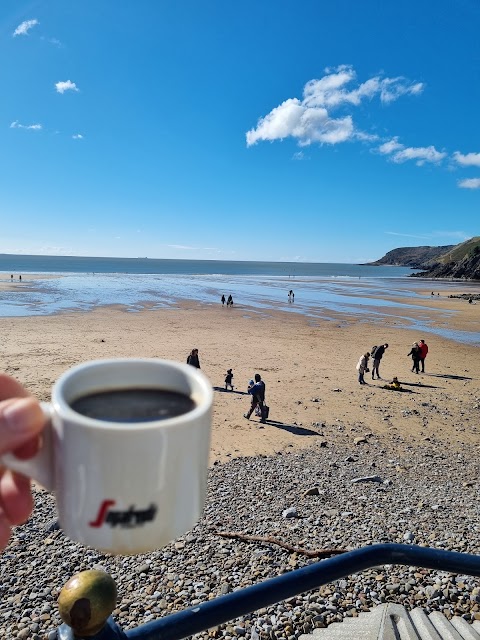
461, 261
415, 257
460, 251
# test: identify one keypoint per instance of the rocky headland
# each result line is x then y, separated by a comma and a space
459, 262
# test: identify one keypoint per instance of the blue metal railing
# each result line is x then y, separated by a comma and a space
177, 626
210, 614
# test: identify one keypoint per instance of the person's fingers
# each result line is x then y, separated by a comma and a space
4, 530
16, 500
29, 449
10, 388
21, 420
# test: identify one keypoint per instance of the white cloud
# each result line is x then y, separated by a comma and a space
55, 41
467, 160
180, 246
306, 124
400, 153
392, 89
420, 154
390, 146
33, 127
77, 136
298, 155
406, 235
330, 91
68, 85
458, 235
469, 183
308, 120
24, 27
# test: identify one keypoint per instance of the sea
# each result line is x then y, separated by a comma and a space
71, 284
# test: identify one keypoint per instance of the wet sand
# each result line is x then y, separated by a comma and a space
308, 366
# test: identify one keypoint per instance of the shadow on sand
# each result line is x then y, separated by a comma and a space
291, 428
447, 376
223, 390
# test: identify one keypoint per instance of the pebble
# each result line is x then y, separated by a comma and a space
254, 496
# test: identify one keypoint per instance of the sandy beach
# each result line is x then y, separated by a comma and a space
324, 431
308, 367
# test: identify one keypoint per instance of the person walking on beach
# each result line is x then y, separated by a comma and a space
362, 367
377, 355
228, 380
193, 359
258, 397
223, 300
230, 301
422, 345
415, 353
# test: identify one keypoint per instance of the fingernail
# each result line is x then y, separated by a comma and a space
17, 415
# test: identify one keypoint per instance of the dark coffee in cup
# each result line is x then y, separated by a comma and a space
133, 405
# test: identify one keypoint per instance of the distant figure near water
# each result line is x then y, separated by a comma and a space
222, 300
291, 296
229, 301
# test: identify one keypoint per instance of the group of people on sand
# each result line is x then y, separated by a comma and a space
256, 389
418, 352
229, 300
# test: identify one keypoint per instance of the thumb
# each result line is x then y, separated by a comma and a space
21, 419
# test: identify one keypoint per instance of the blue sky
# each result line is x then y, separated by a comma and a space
254, 130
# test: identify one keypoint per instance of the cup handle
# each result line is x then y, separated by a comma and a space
40, 468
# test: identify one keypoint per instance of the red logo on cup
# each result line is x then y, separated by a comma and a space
128, 519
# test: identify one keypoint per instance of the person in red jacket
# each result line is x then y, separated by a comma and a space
422, 345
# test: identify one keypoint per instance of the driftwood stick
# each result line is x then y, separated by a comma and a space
311, 553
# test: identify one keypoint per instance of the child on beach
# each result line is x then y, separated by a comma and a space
394, 385
228, 380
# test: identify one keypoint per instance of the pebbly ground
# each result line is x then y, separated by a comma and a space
426, 495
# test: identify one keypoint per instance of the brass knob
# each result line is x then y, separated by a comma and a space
86, 601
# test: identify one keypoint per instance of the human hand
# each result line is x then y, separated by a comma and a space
21, 422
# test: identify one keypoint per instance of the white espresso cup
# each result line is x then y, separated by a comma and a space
125, 487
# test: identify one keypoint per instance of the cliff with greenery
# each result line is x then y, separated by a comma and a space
415, 257
461, 261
